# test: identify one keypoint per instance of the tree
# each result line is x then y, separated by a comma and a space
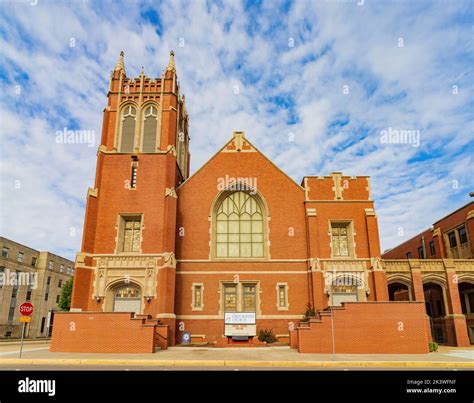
65, 299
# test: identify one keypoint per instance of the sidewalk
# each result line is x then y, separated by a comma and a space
446, 357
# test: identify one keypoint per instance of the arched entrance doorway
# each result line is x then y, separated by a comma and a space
399, 292
466, 295
436, 310
346, 288
127, 298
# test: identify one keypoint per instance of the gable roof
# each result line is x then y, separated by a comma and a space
239, 143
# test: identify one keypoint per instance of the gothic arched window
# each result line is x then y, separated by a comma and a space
150, 124
239, 227
129, 114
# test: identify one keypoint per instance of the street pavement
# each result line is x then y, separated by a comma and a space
37, 355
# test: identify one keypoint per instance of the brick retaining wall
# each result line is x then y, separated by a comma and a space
368, 328
102, 332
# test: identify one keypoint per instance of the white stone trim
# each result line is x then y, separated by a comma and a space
287, 303
193, 301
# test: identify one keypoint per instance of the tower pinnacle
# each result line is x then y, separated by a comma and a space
120, 64
171, 66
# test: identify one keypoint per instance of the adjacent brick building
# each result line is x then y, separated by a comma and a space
217, 256
448, 238
447, 285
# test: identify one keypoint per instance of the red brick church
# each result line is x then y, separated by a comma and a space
236, 248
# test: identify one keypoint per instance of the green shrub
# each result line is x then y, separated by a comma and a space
433, 346
267, 335
310, 313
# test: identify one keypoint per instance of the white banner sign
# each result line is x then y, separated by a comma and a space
239, 318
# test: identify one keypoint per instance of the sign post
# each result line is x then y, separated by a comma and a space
26, 309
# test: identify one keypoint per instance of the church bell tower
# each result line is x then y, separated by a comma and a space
127, 260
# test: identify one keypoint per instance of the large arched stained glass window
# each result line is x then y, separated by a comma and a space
239, 227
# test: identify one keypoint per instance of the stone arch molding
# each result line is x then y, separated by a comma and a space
399, 278
435, 279
466, 278
114, 284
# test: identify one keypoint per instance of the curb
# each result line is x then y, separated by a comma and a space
241, 363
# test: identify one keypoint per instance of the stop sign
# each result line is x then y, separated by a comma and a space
26, 309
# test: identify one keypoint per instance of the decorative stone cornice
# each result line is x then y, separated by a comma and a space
80, 259
470, 215
170, 259
437, 232
166, 316
344, 265
171, 149
238, 143
376, 264
91, 192
428, 265
311, 212
369, 212
171, 192
395, 265
315, 264
337, 178
369, 192
126, 262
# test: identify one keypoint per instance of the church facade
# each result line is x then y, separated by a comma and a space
236, 248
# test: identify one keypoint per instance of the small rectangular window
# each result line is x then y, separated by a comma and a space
5, 252
133, 179
408, 255
61, 268
48, 281
28, 295
43, 322
452, 239
432, 248
11, 313
33, 261
21, 257
50, 265
230, 298
131, 234
249, 297
46, 296
57, 299
60, 283
197, 296
462, 235
421, 252
282, 296
340, 239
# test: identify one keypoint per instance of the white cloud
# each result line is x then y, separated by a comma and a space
335, 44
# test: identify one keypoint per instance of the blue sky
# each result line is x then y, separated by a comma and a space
333, 75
